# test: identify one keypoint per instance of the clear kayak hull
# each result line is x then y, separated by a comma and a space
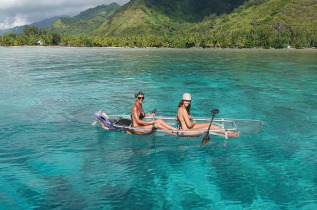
122, 123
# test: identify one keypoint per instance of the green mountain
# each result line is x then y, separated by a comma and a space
161, 16
185, 23
223, 23
269, 23
86, 22
279, 14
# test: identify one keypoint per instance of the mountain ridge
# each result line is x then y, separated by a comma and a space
186, 23
150, 16
40, 24
85, 22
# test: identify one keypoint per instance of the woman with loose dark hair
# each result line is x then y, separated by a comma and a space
184, 118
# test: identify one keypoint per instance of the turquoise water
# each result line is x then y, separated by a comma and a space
52, 158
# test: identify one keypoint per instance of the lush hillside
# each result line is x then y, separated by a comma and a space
280, 22
192, 10
280, 14
186, 23
86, 22
162, 16
41, 24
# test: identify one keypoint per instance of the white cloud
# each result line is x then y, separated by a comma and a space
20, 12
8, 3
15, 21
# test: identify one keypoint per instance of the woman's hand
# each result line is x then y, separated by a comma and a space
192, 124
151, 115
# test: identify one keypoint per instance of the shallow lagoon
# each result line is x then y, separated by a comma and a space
51, 157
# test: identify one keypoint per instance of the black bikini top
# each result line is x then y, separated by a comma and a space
141, 116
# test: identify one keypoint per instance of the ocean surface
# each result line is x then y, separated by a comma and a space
51, 157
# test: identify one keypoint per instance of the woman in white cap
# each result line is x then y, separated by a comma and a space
184, 117
137, 115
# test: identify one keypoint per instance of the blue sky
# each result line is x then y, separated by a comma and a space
20, 12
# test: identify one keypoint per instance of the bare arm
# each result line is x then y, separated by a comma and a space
150, 115
185, 116
136, 117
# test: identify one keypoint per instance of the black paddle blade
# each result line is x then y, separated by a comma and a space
153, 131
205, 140
215, 111
154, 110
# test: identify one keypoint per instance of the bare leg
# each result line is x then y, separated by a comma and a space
157, 124
140, 131
163, 125
204, 126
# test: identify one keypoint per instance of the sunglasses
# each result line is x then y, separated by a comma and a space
141, 98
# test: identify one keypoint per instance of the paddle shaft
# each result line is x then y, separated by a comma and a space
206, 137
213, 116
153, 124
153, 112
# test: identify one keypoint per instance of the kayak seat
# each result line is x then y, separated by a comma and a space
121, 121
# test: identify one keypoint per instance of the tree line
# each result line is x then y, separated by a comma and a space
31, 35
259, 36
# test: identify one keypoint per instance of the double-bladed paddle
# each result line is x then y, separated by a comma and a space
153, 127
207, 137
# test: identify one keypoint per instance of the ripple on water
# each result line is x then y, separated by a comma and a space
51, 157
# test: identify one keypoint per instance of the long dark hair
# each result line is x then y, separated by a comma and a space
181, 103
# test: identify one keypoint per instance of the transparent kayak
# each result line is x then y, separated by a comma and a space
123, 123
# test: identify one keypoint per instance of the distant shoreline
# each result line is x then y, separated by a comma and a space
254, 48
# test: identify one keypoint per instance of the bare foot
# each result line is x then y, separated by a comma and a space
233, 134
103, 126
